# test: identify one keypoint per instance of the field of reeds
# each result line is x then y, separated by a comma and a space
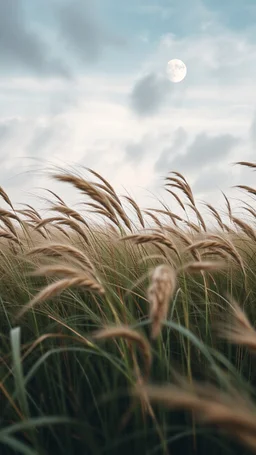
136, 333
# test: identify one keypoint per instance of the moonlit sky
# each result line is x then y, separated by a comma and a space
84, 83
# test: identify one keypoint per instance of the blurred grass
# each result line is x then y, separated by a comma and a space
64, 393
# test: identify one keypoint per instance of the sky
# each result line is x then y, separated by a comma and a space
84, 83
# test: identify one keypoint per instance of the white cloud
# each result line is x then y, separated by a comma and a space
88, 121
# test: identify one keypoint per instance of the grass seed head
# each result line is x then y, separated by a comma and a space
161, 290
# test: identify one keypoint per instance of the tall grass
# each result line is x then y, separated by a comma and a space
137, 333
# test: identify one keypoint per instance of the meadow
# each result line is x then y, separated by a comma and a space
126, 335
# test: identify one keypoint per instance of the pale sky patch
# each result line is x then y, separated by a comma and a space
99, 95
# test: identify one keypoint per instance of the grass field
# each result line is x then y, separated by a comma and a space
127, 336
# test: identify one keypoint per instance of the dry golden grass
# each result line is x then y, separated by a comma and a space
54, 289
158, 238
177, 239
246, 228
161, 290
62, 249
247, 164
231, 413
202, 266
237, 329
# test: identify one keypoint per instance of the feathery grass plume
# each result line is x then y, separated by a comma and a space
7, 222
6, 197
75, 227
228, 246
238, 330
215, 214
162, 251
246, 228
108, 191
87, 188
216, 252
8, 235
47, 221
178, 199
228, 206
154, 217
137, 210
250, 209
69, 212
202, 266
246, 163
56, 195
102, 211
193, 226
106, 183
61, 249
203, 244
229, 412
120, 211
106, 200
168, 213
198, 215
33, 209
31, 215
59, 228
181, 184
179, 234
129, 334
160, 291
151, 238
249, 189
57, 287
178, 174
8, 214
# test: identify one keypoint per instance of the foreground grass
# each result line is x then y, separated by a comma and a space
118, 337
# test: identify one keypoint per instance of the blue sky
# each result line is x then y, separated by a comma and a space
84, 83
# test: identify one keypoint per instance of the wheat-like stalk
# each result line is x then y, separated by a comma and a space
249, 189
59, 249
150, 238
8, 235
75, 226
161, 290
247, 164
70, 213
137, 210
246, 228
231, 413
238, 329
56, 288
6, 197
202, 266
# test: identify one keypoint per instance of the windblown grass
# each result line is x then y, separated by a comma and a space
127, 335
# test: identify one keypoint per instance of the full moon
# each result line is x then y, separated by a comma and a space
176, 70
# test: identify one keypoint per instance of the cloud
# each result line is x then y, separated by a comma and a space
180, 138
42, 139
8, 129
253, 132
135, 151
4, 132
237, 14
83, 31
217, 55
20, 46
149, 94
205, 150
212, 179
